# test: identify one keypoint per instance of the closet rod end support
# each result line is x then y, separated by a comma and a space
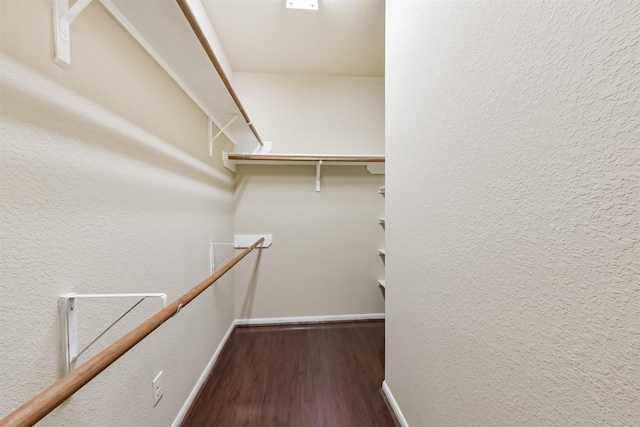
243, 241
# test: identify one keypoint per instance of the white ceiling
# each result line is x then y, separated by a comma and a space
343, 37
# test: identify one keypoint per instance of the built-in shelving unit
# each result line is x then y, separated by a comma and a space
382, 251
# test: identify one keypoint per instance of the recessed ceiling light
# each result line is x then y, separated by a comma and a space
302, 4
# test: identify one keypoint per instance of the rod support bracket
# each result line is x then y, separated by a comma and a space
68, 314
242, 241
178, 309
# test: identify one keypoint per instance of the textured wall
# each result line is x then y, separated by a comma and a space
324, 258
316, 114
106, 187
513, 236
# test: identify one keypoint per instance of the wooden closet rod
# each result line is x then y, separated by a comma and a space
40, 405
304, 158
188, 13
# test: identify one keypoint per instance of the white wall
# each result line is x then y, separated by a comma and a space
315, 114
323, 260
106, 187
324, 257
513, 233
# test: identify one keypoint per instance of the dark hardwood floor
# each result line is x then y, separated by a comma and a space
301, 375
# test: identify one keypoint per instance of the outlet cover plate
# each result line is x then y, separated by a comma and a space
158, 388
302, 4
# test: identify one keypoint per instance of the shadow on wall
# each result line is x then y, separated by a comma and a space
301, 177
27, 95
247, 305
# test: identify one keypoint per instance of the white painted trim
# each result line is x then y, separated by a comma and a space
310, 319
203, 378
394, 405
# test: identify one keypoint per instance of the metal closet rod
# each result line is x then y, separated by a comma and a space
188, 13
49, 399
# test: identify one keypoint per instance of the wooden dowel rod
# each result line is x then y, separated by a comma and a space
304, 158
255, 132
188, 13
43, 403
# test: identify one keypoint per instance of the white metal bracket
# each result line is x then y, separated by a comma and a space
212, 258
263, 149
318, 167
63, 15
229, 164
375, 168
240, 241
243, 241
220, 132
260, 149
68, 313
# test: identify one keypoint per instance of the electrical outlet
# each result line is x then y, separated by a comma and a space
158, 388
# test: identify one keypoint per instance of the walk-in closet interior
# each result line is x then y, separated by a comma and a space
194, 205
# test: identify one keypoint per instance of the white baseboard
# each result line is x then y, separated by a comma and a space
203, 377
394, 405
310, 319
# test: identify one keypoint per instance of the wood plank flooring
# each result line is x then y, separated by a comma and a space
296, 376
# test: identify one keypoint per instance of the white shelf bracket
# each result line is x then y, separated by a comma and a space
375, 168
68, 313
240, 241
63, 16
212, 258
263, 149
318, 167
260, 149
243, 241
229, 164
220, 132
